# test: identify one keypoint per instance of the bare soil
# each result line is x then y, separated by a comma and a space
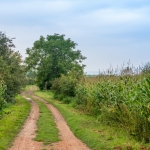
24, 140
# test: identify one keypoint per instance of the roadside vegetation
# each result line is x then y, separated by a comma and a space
117, 98
120, 100
98, 109
11, 121
12, 71
90, 130
13, 108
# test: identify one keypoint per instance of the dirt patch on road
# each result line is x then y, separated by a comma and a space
24, 140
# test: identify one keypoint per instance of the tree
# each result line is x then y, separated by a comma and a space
12, 69
51, 57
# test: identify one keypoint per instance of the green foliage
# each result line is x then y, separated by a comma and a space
51, 57
12, 120
31, 77
2, 94
11, 68
59, 97
95, 134
118, 100
68, 100
47, 131
64, 87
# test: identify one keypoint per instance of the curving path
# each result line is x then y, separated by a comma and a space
68, 140
24, 140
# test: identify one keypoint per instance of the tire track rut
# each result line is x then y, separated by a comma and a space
24, 140
68, 140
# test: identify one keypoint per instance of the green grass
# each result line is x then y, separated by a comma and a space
96, 135
12, 120
47, 131
27, 87
30, 86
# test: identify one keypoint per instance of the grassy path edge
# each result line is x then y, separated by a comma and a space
91, 132
11, 123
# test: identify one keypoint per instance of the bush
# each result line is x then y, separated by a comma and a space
68, 100
65, 85
60, 97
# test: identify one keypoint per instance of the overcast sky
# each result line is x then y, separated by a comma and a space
106, 31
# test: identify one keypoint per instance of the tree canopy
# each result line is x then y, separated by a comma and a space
51, 57
12, 71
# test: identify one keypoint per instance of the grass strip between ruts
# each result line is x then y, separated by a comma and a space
12, 120
96, 135
47, 131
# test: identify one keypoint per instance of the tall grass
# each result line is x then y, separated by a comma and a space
96, 135
122, 100
12, 120
119, 97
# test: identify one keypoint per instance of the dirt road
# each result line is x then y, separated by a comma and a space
24, 140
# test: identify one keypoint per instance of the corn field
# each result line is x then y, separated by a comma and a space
122, 100
118, 98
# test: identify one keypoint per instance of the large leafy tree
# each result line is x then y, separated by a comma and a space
11, 67
53, 56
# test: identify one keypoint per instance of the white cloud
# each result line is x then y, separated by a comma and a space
106, 31
112, 16
34, 6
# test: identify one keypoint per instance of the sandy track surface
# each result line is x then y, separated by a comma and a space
24, 140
